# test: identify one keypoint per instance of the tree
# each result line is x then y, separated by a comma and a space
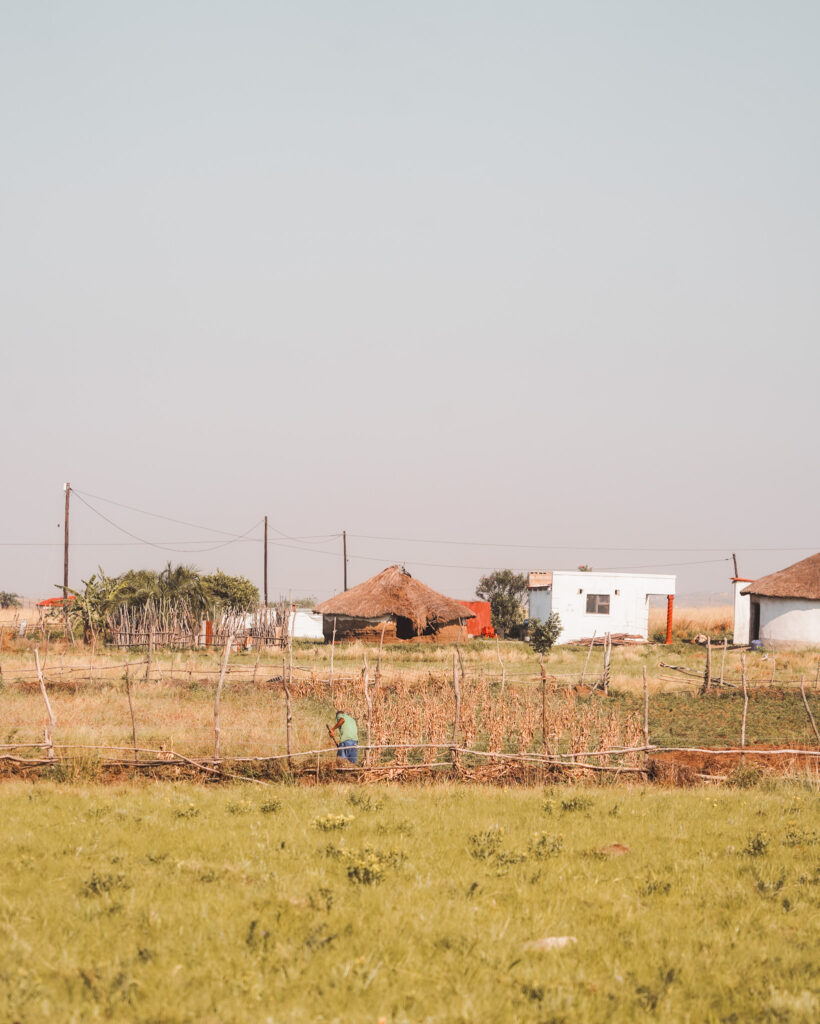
234, 592
544, 634
505, 590
9, 600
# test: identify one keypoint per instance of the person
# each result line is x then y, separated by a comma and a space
348, 736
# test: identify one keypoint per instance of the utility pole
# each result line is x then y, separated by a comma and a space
266, 561
734, 559
344, 553
67, 489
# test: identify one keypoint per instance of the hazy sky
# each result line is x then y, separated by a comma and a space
520, 273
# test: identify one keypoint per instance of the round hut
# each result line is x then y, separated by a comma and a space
394, 602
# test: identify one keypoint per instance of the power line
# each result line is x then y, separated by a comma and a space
164, 547
309, 539
564, 547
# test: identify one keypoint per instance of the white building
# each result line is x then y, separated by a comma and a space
597, 602
782, 609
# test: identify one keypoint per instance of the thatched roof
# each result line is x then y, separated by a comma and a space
395, 592
800, 580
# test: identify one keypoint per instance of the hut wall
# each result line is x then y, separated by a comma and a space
366, 630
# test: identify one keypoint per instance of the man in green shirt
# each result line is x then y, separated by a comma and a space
348, 736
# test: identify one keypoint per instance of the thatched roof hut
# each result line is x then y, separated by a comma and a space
799, 580
392, 601
782, 608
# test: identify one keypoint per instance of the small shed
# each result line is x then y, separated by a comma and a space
595, 603
782, 608
394, 603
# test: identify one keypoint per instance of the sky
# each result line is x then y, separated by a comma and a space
486, 285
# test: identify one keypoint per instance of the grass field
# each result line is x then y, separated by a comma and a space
230, 904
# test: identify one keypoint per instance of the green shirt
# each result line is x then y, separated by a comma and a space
348, 730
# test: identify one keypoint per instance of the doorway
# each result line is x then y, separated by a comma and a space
754, 622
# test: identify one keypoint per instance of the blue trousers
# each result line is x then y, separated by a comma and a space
349, 749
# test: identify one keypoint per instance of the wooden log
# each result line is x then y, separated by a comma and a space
228, 643
808, 709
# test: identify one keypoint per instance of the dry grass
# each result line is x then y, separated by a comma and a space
689, 622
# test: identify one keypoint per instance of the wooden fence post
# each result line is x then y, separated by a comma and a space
808, 709
645, 716
607, 657
131, 709
288, 713
369, 706
723, 661
150, 652
745, 708
589, 652
52, 721
544, 742
379, 659
707, 672
228, 643
457, 714
501, 663
332, 651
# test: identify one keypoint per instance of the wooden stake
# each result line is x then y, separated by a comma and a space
707, 672
501, 663
288, 714
150, 652
369, 703
722, 661
745, 707
332, 650
52, 721
457, 715
808, 709
228, 644
589, 652
645, 715
774, 666
544, 742
379, 659
256, 664
131, 709
607, 656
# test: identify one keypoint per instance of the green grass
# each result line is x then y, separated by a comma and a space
185, 903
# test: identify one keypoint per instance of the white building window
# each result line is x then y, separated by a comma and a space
597, 604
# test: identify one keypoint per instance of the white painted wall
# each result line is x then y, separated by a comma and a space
789, 621
628, 608
306, 625
742, 620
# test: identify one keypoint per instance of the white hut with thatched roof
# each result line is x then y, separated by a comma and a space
783, 608
394, 603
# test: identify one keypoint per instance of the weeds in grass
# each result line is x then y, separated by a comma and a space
364, 801
544, 844
270, 806
483, 845
757, 844
369, 866
576, 803
332, 822
797, 836
98, 884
